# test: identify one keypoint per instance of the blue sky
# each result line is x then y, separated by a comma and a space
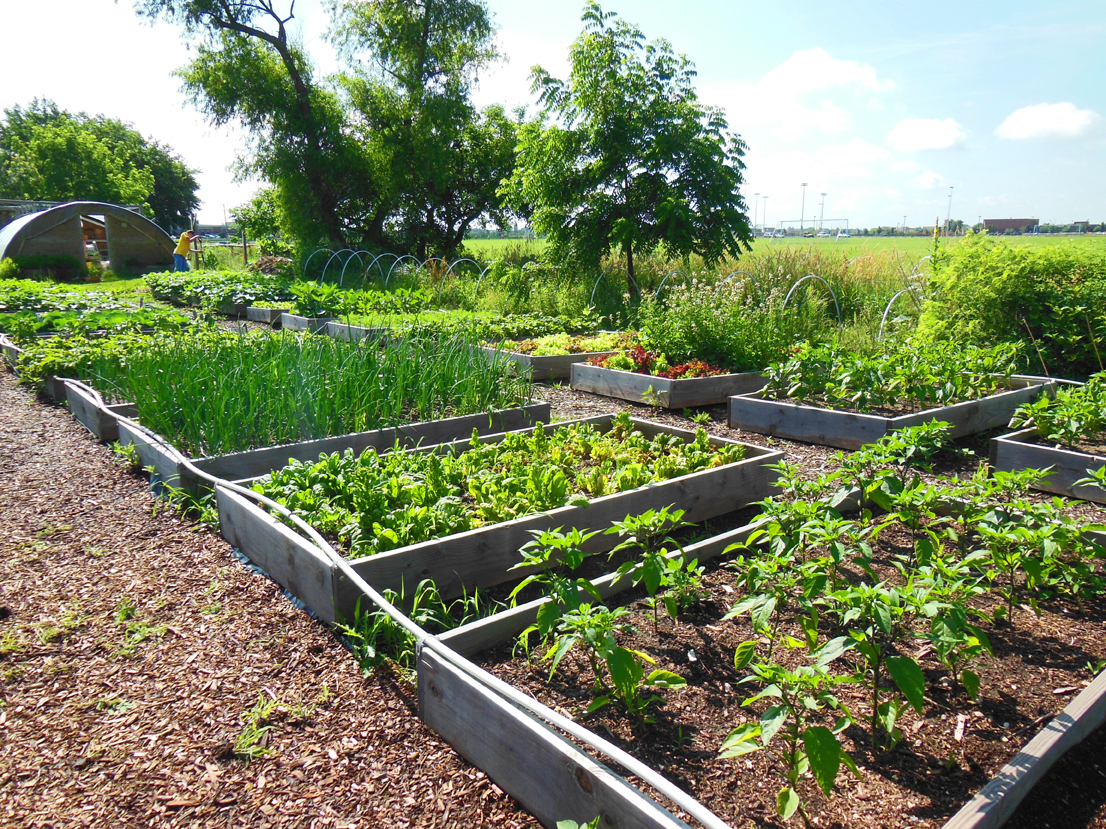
882, 107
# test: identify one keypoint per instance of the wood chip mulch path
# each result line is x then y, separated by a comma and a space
134, 647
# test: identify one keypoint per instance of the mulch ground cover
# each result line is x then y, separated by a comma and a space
140, 663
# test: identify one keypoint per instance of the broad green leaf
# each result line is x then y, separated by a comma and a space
744, 654
665, 679
832, 649
970, 681
547, 617
908, 676
824, 753
625, 669
741, 741
598, 703
787, 801
771, 721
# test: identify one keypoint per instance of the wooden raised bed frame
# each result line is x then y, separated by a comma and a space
484, 557
269, 316
354, 333
1014, 452
294, 322
52, 387
548, 367
848, 430
255, 462
662, 391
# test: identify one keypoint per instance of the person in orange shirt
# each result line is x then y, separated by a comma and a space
184, 246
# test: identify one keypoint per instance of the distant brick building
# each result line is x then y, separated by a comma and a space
1011, 225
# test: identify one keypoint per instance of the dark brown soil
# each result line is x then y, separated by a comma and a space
947, 755
1073, 793
1091, 446
102, 727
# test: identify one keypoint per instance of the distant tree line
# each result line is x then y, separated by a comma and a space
48, 154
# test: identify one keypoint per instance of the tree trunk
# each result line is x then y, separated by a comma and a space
635, 294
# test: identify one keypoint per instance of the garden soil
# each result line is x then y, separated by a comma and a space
133, 646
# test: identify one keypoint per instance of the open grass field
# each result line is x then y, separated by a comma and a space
918, 246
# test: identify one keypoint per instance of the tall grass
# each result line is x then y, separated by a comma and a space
216, 392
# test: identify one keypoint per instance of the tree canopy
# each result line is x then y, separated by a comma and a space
623, 155
390, 153
48, 154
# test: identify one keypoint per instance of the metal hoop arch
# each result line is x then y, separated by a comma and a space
379, 267
449, 270
360, 261
731, 276
336, 253
483, 273
798, 282
312, 256
887, 310
398, 260
671, 273
914, 271
604, 273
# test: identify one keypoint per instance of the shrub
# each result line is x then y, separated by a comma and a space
1051, 298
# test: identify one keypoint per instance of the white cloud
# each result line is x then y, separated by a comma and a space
780, 101
907, 165
913, 134
930, 180
848, 160
1061, 120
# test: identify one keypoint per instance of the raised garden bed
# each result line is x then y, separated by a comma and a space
52, 387
353, 333
851, 430
663, 391
549, 367
238, 310
269, 316
944, 754
90, 412
294, 322
1024, 450
154, 451
484, 557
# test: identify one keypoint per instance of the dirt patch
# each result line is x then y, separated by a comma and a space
136, 651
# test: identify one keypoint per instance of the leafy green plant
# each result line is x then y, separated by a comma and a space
250, 743
650, 532
1076, 414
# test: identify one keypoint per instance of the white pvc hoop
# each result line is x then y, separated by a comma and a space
887, 310
481, 278
836, 304
671, 273
337, 253
605, 272
312, 256
732, 275
448, 271
380, 268
360, 261
398, 260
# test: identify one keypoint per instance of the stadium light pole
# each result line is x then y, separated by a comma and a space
764, 214
822, 213
756, 202
802, 210
948, 216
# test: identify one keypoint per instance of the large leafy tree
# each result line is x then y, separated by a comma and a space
51, 155
624, 156
390, 153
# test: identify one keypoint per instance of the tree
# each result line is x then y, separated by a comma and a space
48, 154
633, 160
387, 155
263, 221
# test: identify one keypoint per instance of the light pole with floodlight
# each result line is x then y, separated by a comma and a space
802, 210
756, 202
822, 213
948, 216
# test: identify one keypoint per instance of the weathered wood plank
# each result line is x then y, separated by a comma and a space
294, 322
549, 776
255, 462
494, 630
668, 393
290, 560
997, 801
101, 421
848, 430
269, 316
154, 455
1014, 452
548, 367
355, 333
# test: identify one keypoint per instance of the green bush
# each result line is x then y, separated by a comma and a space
70, 268
1051, 298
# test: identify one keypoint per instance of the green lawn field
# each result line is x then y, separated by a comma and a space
913, 246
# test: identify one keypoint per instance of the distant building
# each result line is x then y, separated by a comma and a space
1011, 225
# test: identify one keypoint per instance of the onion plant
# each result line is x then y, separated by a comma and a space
216, 391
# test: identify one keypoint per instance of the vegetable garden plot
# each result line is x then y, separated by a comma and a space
552, 357
663, 391
821, 613
294, 322
834, 398
1066, 435
706, 476
52, 387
